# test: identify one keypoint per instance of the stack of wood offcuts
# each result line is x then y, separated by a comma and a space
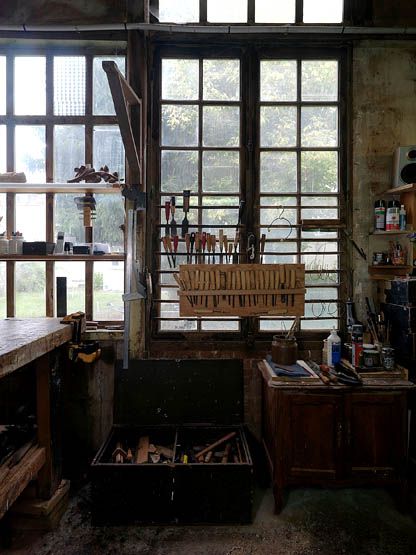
241, 289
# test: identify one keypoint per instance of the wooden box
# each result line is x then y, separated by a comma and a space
241, 289
181, 405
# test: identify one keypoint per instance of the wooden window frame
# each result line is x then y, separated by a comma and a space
49, 120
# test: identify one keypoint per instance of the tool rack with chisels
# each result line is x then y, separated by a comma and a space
241, 289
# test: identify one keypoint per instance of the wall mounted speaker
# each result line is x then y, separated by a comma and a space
404, 165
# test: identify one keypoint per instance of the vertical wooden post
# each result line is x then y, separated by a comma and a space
43, 409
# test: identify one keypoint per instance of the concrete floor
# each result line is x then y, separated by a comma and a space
325, 522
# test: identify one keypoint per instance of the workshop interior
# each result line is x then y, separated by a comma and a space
207, 277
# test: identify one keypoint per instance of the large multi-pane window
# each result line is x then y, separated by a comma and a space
274, 143
56, 113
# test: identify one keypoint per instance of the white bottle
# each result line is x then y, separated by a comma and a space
334, 348
402, 218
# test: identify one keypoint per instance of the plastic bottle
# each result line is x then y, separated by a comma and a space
333, 348
379, 215
402, 218
357, 343
393, 216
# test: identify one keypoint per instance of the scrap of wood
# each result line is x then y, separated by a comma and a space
208, 456
142, 452
165, 451
227, 451
215, 444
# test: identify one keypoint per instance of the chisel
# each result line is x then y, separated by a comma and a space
197, 247
262, 246
173, 224
213, 244
165, 245
188, 246
167, 214
185, 223
203, 244
175, 248
236, 243
221, 242
192, 241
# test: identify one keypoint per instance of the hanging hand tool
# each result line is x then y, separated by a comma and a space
188, 246
225, 247
236, 242
240, 213
197, 247
185, 223
167, 214
173, 224
230, 251
251, 247
213, 246
192, 240
262, 246
175, 248
292, 284
220, 243
169, 245
165, 245
203, 244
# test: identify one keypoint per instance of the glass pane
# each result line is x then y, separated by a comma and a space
220, 216
69, 85
323, 11
2, 85
277, 216
220, 325
320, 213
178, 325
179, 171
30, 150
75, 284
319, 172
317, 324
320, 126
109, 218
321, 247
231, 11
319, 80
221, 80
220, 172
322, 278
180, 79
278, 172
275, 12
321, 310
108, 148
31, 216
185, 11
319, 201
280, 259
321, 293
320, 262
2, 290
221, 126
278, 80
30, 289
69, 151
179, 125
68, 218
278, 126
169, 310
102, 100
319, 235
281, 247
3, 152
275, 325
281, 234
108, 288
30, 85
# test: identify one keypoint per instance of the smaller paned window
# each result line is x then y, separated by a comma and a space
323, 11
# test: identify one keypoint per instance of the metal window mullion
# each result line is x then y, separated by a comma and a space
203, 11
299, 11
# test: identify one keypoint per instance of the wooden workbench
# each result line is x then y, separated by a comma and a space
336, 436
22, 342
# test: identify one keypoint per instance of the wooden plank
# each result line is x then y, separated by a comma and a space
20, 476
42, 188
22, 341
63, 257
142, 452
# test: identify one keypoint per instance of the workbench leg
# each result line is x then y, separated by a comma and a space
279, 496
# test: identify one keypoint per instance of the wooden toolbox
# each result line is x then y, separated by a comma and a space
184, 406
241, 289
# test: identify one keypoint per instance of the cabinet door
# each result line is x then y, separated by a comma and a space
377, 434
313, 443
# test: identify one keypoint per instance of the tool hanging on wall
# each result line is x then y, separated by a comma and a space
185, 222
175, 248
236, 244
165, 246
173, 224
204, 245
188, 247
251, 247
220, 243
192, 241
262, 247
167, 215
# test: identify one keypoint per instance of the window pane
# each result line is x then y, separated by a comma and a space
320, 262
221, 80
179, 171
68, 219
30, 289
69, 85
108, 290
180, 125
275, 325
108, 148
278, 172
178, 325
275, 12
2, 85
278, 80
30, 150
29, 85
75, 283
319, 201
221, 126
320, 126
220, 325
220, 172
319, 80
2, 290
323, 11
319, 172
220, 216
317, 246
186, 11
102, 99
278, 126
3, 143
109, 218
231, 11
180, 79
69, 151
31, 216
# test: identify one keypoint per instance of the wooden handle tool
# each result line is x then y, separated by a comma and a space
262, 246
165, 245
221, 242
188, 246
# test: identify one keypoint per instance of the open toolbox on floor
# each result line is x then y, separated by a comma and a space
178, 451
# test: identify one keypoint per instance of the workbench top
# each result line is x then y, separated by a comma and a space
23, 340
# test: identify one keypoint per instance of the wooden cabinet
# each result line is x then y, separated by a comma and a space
338, 436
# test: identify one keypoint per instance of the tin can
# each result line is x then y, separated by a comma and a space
387, 358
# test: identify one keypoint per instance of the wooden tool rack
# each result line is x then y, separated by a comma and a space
241, 289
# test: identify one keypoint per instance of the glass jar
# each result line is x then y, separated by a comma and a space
284, 350
387, 358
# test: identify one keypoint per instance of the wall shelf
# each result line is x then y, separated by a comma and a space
39, 188
408, 188
394, 232
119, 257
